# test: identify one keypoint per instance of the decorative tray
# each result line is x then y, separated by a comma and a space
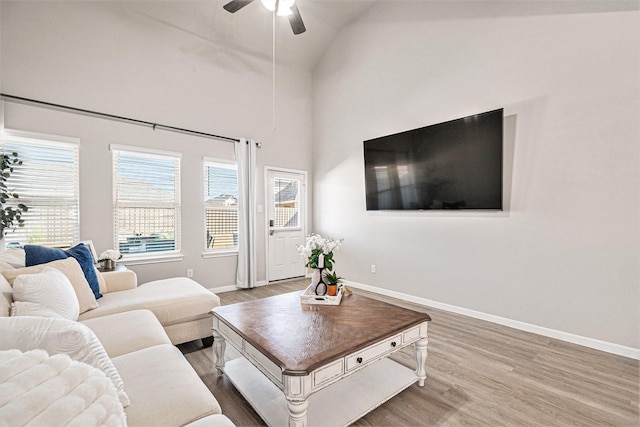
309, 297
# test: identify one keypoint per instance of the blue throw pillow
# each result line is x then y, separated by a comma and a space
35, 255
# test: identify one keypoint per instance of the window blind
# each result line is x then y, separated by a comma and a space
48, 184
220, 204
146, 202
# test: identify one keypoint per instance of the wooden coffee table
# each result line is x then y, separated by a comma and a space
318, 365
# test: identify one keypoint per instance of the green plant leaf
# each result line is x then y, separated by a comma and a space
9, 215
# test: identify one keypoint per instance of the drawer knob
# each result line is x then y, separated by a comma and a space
359, 360
393, 343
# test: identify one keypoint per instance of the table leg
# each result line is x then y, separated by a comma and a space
297, 412
219, 346
420, 351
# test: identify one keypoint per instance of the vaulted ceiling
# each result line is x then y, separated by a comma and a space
249, 31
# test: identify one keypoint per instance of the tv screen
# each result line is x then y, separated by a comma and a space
451, 165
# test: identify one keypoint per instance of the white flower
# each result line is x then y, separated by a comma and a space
316, 242
111, 254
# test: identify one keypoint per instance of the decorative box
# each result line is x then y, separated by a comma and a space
309, 296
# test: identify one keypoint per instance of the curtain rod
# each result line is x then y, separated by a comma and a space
154, 126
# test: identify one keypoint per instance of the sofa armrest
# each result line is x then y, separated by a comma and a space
119, 280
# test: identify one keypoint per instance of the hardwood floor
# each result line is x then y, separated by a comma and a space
478, 373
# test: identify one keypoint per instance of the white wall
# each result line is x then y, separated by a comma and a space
565, 252
109, 57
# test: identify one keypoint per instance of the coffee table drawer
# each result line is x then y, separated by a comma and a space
327, 373
411, 335
374, 352
264, 363
230, 334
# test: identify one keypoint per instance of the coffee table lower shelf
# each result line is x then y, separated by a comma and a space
339, 404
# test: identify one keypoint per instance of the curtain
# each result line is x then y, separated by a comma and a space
246, 158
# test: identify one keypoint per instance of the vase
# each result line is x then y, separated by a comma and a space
108, 265
332, 290
317, 281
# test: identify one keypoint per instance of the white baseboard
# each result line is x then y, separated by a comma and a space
608, 347
221, 289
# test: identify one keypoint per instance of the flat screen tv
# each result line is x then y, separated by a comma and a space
451, 165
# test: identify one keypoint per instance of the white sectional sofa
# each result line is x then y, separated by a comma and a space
130, 335
180, 304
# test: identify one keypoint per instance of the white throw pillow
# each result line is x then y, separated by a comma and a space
60, 336
70, 268
23, 308
50, 289
14, 257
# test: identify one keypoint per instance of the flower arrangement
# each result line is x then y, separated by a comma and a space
319, 251
110, 255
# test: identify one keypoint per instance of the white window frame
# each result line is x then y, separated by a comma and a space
71, 202
149, 257
208, 252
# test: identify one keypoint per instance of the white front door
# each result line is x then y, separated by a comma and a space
286, 213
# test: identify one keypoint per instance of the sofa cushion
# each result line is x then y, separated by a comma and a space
49, 289
143, 330
70, 268
59, 336
163, 388
35, 255
175, 300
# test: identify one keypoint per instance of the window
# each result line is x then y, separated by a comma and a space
286, 203
47, 182
220, 204
146, 202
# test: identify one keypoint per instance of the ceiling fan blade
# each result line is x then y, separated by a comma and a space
235, 5
296, 21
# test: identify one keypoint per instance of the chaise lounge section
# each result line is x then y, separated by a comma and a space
180, 304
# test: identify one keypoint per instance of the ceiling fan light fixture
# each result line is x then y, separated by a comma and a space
284, 6
284, 11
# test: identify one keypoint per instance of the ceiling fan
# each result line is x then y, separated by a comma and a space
285, 8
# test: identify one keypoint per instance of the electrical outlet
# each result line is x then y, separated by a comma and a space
189, 272
373, 268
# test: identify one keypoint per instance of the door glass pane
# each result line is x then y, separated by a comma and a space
286, 203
